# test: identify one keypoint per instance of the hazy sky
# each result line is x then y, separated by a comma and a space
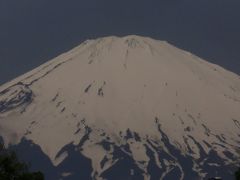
34, 31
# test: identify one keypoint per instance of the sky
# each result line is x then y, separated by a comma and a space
33, 32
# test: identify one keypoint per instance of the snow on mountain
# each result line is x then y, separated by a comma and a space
130, 108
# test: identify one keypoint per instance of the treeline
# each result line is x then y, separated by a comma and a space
11, 168
237, 174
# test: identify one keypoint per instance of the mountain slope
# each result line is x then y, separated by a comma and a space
133, 107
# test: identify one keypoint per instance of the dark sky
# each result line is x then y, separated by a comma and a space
34, 31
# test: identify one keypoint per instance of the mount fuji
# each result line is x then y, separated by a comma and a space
124, 108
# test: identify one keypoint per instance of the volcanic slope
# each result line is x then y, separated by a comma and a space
125, 108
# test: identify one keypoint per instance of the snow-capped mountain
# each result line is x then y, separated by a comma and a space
125, 108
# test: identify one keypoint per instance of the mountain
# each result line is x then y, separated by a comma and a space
124, 108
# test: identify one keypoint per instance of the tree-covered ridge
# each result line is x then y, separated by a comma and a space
12, 169
237, 174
